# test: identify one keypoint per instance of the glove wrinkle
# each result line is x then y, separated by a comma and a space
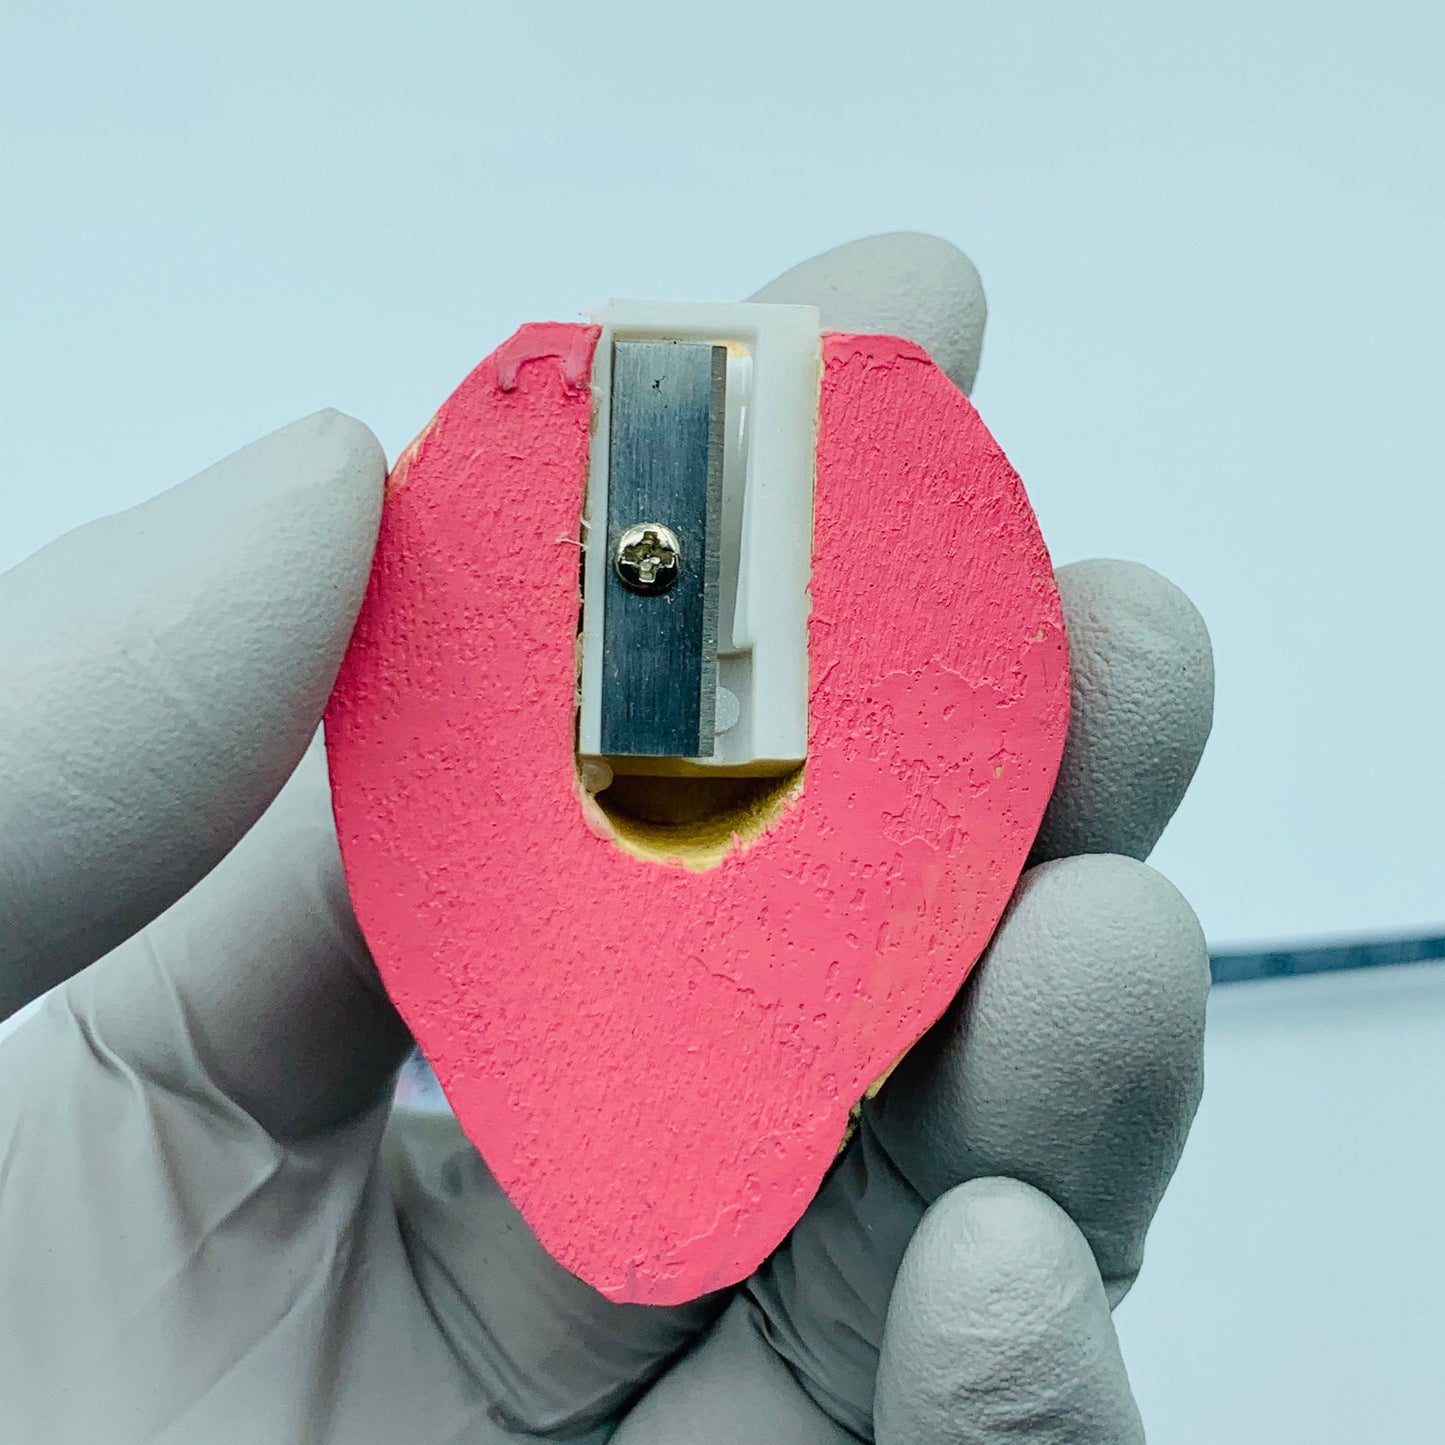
823, 1297
555, 1358
732, 1388
199, 1280
259, 981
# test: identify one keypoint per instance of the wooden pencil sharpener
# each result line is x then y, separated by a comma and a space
705, 701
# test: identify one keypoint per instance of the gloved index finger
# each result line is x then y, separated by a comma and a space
164, 669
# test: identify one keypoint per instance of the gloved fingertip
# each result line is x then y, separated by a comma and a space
999, 1329
902, 283
1142, 708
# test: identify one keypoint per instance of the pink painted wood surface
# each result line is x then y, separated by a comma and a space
657, 1064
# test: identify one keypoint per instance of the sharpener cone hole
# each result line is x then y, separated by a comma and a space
692, 821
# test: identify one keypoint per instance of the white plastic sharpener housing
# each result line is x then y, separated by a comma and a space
773, 373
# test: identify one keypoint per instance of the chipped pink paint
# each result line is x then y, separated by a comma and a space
657, 1064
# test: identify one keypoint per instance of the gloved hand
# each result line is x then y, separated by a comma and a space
213, 1227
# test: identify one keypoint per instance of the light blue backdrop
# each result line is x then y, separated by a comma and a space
1212, 241
1211, 238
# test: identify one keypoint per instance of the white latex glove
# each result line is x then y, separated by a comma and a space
212, 1226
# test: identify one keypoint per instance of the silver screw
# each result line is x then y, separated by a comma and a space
649, 557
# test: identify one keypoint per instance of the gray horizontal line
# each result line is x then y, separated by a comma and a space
1242, 967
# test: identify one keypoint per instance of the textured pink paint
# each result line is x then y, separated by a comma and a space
657, 1064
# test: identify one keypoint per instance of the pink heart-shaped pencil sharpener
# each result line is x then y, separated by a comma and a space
656, 1048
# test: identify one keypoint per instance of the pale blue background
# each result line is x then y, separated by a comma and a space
1211, 237
1212, 240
